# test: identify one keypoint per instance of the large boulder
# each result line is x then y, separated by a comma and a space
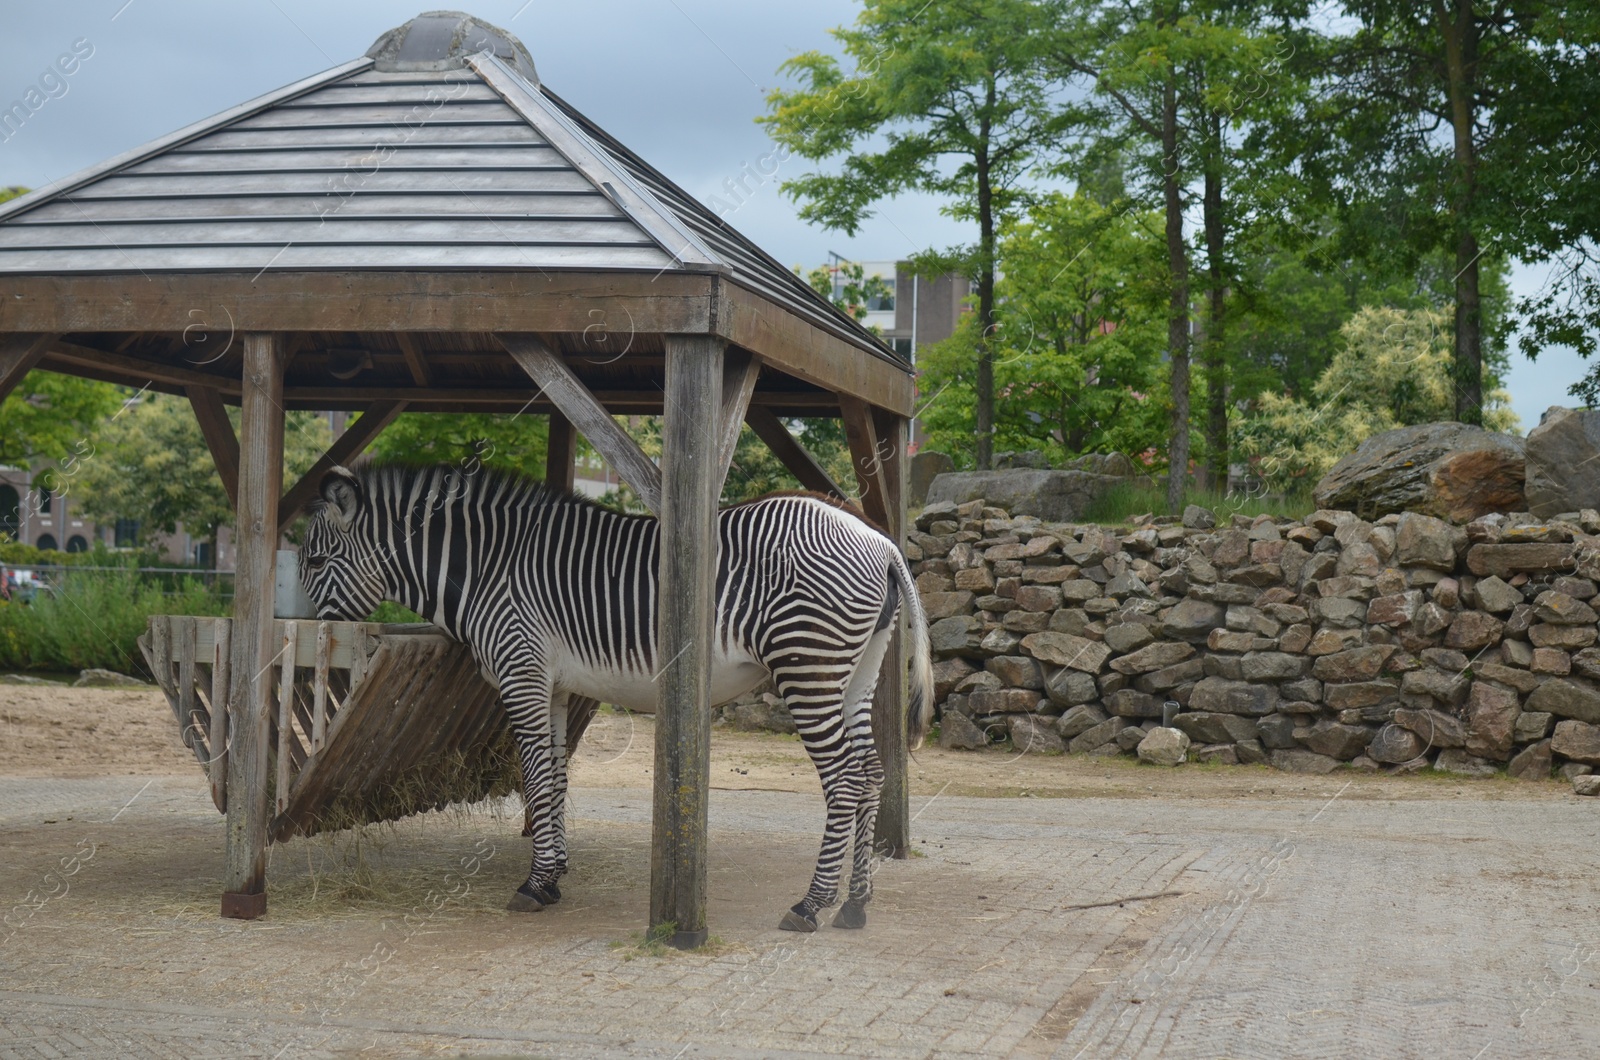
1054, 496
1564, 462
925, 467
1449, 470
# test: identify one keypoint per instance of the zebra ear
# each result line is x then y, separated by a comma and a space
342, 494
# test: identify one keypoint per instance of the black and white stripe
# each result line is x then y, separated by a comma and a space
557, 596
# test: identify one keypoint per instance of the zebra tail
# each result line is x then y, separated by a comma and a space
919, 712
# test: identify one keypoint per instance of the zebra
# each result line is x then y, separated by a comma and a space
556, 597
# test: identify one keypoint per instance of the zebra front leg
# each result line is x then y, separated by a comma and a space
527, 698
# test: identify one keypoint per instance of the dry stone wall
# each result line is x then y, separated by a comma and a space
1403, 643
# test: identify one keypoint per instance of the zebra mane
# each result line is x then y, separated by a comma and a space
391, 480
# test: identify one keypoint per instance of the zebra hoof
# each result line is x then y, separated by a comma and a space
524, 901
797, 919
851, 915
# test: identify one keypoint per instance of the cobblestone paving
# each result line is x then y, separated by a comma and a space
1031, 928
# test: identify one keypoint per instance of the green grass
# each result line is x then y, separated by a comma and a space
95, 619
1121, 503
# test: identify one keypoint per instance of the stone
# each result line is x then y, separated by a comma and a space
1296, 639
957, 635
1004, 701
947, 673
1394, 744
760, 716
1448, 470
1586, 784
1222, 754
1276, 731
1355, 664
1545, 635
1053, 496
1333, 641
1463, 764
1038, 598
1298, 761
1532, 762
1128, 636
23, 679
945, 605
1192, 620
975, 580
999, 642
1025, 622
1431, 618
1340, 613
1164, 747
1154, 656
1063, 649
1034, 735
1423, 541
1446, 591
1016, 671
1447, 659
1578, 741
1573, 770
1436, 728
1563, 462
1354, 695
1491, 720
1078, 720
1563, 610
1449, 688
1128, 739
957, 732
1233, 697
1396, 610
1505, 560
1171, 677
1272, 666
1096, 736
1567, 698
97, 678
1206, 727
1551, 661
926, 465
1473, 630
1067, 687
1199, 518
1334, 739
1131, 703
1533, 725
981, 681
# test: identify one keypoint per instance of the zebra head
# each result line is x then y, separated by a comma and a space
339, 571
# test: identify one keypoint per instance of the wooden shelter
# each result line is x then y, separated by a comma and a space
430, 228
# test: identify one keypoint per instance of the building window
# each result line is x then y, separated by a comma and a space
76, 543
47, 542
46, 498
126, 534
202, 555
10, 512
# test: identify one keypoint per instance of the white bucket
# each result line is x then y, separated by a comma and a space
289, 599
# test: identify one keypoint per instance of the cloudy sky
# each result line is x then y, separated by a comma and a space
679, 81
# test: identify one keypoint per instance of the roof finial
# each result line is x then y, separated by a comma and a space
442, 40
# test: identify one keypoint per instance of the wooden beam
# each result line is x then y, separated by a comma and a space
137, 370
451, 300
249, 696
356, 437
421, 374
740, 370
816, 403
590, 417
893, 828
867, 455
790, 453
687, 599
561, 454
800, 348
218, 433
18, 356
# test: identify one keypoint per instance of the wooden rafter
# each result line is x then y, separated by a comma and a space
18, 356
356, 437
867, 457
567, 392
217, 430
790, 453
739, 373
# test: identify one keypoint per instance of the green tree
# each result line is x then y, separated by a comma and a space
515, 443
48, 416
1392, 370
149, 463
948, 98
1078, 341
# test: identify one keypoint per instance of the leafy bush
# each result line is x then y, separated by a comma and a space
94, 619
1119, 504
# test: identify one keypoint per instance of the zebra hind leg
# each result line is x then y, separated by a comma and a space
853, 913
527, 699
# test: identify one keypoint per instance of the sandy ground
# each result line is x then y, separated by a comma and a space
68, 732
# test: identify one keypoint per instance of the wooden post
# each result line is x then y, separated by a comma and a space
249, 695
893, 837
561, 454
690, 479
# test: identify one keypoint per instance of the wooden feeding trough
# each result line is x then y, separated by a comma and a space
373, 722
